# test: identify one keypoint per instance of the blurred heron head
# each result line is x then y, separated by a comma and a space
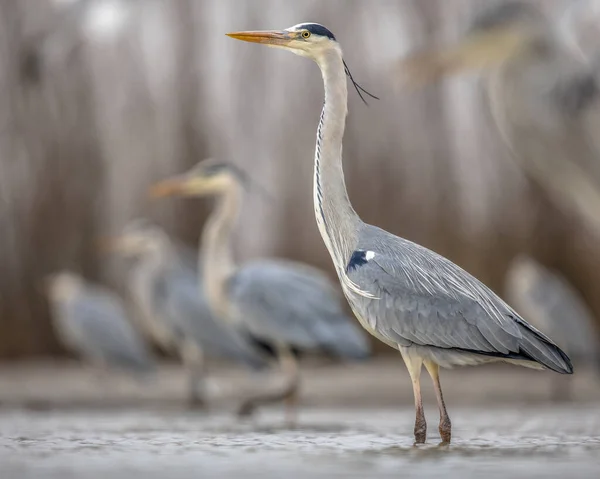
305, 39
494, 36
207, 178
61, 285
524, 272
139, 237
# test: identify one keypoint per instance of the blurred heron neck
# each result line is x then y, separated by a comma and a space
216, 251
159, 257
336, 219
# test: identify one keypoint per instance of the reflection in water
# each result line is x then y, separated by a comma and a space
506, 442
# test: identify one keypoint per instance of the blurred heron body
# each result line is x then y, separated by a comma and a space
92, 321
173, 309
554, 307
409, 297
283, 303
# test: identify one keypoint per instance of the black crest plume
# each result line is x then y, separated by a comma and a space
360, 90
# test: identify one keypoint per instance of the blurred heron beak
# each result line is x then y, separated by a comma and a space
169, 187
477, 51
181, 186
279, 38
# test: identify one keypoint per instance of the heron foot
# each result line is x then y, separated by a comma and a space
420, 431
247, 409
445, 430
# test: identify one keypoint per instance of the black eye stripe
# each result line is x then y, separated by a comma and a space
316, 29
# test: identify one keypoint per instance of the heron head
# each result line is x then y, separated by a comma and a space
207, 178
305, 39
61, 285
310, 40
494, 36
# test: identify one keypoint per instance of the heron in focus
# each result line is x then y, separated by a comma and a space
409, 297
284, 303
92, 322
554, 307
542, 95
173, 310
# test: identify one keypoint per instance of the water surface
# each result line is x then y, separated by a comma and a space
495, 442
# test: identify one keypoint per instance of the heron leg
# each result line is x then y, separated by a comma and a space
193, 360
414, 364
445, 425
289, 367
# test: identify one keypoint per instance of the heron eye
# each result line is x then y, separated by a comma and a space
305, 34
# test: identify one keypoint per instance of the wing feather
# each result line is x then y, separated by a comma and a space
427, 300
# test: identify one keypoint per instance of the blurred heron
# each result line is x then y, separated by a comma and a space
173, 310
409, 297
283, 303
92, 322
541, 94
554, 307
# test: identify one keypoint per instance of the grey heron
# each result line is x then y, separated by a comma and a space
555, 308
172, 308
414, 300
543, 98
284, 303
92, 322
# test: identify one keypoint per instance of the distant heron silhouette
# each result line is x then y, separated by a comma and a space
543, 96
172, 307
555, 308
283, 303
92, 321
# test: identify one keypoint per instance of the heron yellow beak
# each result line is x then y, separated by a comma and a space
169, 187
279, 38
182, 186
480, 50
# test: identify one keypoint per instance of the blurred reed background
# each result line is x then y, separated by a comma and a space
100, 98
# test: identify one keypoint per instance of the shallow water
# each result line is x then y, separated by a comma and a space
540, 442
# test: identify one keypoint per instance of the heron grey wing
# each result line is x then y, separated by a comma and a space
412, 295
189, 312
280, 302
100, 323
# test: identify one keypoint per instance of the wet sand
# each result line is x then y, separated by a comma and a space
62, 422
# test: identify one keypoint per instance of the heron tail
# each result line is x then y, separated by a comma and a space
537, 347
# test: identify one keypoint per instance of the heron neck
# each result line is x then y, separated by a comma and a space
153, 264
216, 252
158, 258
337, 221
